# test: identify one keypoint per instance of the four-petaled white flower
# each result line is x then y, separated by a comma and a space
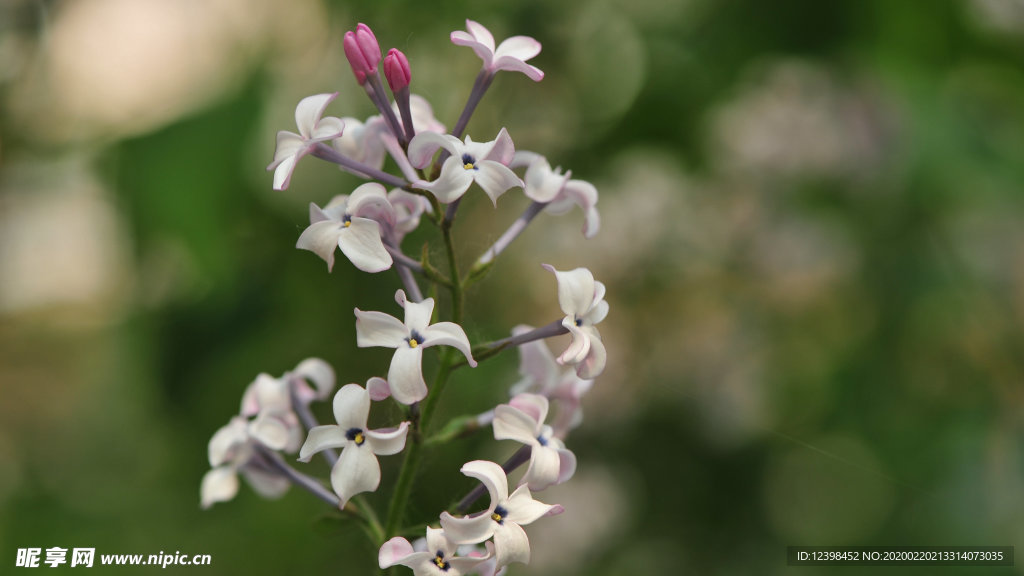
357, 469
542, 375
232, 451
485, 163
511, 54
582, 300
313, 129
503, 519
438, 559
522, 420
552, 187
405, 377
352, 223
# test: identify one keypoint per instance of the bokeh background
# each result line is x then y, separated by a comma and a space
812, 239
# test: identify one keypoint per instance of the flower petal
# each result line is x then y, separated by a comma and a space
468, 530
321, 238
417, 314
319, 373
541, 183
218, 485
283, 171
593, 364
370, 200
269, 430
518, 47
379, 329
544, 469
357, 471
266, 484
322, 438
387, 442
491, 476
566, 465
502, 149
289, 145
517, 65
328, 128
513, 424
495, 178
226, 441
536, 365
351, 407
533, 405
451, 184
524, 510
394, 551
511, 544
576, 290
424, 145
584, 195
378, 388
309, 111
449, 334
578, 348
360, 241
405, 376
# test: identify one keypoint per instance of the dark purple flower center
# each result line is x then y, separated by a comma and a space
356, 435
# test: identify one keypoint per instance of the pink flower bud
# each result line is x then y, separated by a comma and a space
362, 51
396, 70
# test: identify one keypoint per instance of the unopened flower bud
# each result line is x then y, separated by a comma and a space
362, 51
396, 70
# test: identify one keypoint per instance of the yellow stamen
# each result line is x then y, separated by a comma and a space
348, 223
468, 165
413, 343
496, 517
439, 561
359, 439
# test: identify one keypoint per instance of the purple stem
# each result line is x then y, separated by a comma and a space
547, 331
405, 267
375, 89
325, 152
309, 421
512, 233
402, 98
298, 478
521, 457
480, 86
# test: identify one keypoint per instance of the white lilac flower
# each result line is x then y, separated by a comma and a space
485, 163
353, 224
357, 469
405, 377
511, 54
522, 420
313, 129
542, 375
552, 187
503, 519
437, 559
231, 451
582, 300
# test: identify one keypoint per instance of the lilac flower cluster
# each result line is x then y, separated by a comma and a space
436, 169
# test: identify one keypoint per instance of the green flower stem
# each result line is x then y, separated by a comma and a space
413, 452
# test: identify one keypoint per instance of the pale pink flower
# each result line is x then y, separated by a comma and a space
405, 377
503, 519
437, 559
582, 300
522, 420
313, 129
353, 224
557, 191
357, 469
511, 54
485, 163
231, 452
542, 375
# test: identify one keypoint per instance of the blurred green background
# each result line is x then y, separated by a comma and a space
812, 239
